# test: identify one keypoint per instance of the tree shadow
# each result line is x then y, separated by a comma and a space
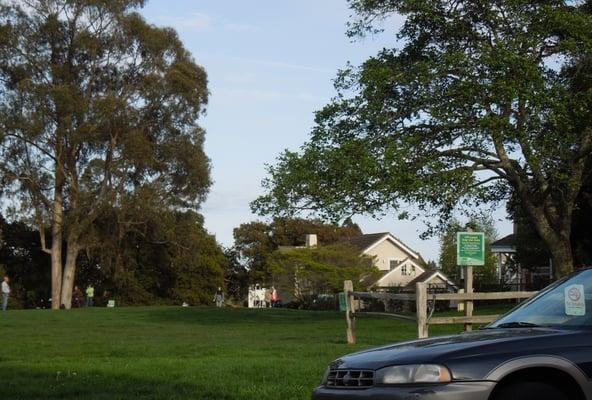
32, 383
227, 316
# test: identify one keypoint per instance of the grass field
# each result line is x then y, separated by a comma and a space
177, 353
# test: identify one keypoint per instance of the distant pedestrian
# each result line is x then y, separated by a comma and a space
77, 297
219, 297
274, 297
5, 292
90, 296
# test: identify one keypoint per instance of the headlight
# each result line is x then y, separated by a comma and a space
406, 374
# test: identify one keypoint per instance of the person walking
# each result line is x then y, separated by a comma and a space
219, 298
5, 292
90, 296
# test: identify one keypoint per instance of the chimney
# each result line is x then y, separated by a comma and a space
311, 240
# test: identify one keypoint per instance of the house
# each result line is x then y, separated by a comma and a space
511, 273
400, 265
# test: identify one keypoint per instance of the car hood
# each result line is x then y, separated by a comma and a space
442, 349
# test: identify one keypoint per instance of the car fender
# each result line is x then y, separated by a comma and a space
542, 361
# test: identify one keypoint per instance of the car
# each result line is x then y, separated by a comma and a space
541, 350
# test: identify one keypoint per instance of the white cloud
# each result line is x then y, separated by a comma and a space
195, 22
198, 21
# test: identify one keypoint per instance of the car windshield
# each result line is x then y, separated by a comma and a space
567, 303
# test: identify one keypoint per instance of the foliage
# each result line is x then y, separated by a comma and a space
95, 103
448, 263
309, 272
475, 101
237, 276
26, 265
255, 241
167, 257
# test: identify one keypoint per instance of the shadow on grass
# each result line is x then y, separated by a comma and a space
37, 384
227, 316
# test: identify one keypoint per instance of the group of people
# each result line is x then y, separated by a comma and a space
262, 298
258, 297
77, 296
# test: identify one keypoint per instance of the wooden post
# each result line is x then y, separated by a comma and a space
469, 289
350, 318
421, 301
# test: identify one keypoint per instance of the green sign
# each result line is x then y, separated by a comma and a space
342, 305
470, 248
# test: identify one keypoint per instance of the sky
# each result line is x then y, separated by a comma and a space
271, 64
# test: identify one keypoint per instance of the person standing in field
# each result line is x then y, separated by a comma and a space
76, 297
90, 296
274, 297
219, 298
5, 292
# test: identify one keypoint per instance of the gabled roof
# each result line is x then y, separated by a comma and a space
506, 244
428, 275
363, 242
368, 241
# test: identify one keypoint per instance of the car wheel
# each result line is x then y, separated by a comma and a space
530, 391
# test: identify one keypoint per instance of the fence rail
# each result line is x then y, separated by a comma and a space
383, 296
482, 296
421, 297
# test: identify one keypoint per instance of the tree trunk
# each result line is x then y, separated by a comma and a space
69, 273
562, 256
56, 248
553, 224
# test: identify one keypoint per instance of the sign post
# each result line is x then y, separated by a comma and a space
470, 252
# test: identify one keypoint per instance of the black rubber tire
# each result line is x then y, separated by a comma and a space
530, 391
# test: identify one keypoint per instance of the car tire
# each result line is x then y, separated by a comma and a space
530, 391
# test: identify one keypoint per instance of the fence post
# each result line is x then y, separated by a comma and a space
350, 318
421, 304
469, 289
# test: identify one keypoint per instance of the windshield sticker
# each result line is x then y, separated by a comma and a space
575, 303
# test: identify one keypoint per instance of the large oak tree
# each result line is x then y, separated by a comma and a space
94, 104
475, 100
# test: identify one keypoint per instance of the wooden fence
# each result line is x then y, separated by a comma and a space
421, 297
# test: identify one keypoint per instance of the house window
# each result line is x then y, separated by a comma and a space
393, 263
404, 270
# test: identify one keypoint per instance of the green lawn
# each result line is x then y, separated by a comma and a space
177, 353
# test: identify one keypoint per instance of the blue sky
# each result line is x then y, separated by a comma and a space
270, 65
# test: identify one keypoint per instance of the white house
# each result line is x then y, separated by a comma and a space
399, 264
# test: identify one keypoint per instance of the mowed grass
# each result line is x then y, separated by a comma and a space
178, 353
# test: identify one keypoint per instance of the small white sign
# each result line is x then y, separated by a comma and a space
111, 304
575, 303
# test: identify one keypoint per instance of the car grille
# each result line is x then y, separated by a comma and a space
350, 378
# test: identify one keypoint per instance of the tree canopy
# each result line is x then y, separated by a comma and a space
309, 272
475, 101
255, 241
95, 104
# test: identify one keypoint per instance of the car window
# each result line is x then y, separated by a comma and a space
566, 303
